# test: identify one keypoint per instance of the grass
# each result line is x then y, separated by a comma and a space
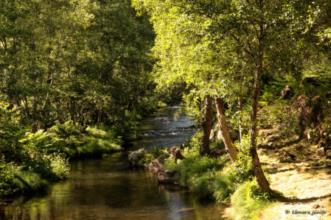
247, 202
210, 179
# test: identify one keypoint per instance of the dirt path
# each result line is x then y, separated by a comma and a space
305, 179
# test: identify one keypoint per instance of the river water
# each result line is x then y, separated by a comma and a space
107, 189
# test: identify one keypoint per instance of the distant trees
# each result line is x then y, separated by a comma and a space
84, 61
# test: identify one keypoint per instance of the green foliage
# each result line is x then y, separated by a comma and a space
157, 152
72, 140
84, 61
239, 171
203, 185
29, 182
223, 188
69, 70
10, 130
15, 181
202, 175
247, 201
59, 166
193, 165
32, 159
280, 113
7, 176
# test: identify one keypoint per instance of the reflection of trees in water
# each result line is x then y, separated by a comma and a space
106, 189
175, 204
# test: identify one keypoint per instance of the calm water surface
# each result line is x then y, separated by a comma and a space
107, 189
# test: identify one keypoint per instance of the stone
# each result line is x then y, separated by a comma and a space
134, 157
155, 167
167, 177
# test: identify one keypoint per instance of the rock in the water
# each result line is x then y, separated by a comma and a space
135, 157
155, 167
167, 177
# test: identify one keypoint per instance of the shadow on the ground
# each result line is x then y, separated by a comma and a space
282, 198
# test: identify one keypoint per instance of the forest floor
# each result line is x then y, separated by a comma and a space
297, 170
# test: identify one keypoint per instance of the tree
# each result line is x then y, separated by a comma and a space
246, 40
185, 51
84, 61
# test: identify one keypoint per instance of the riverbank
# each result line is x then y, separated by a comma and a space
301, 185
33, 161
212, 178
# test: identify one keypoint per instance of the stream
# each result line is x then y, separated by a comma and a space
107, 189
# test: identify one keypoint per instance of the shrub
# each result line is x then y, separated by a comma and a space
247, 201
7, 186
193, 165
14, 180
157, 152
202, 185
223, 188
10, 131
59, 166
240, 171
72, 140
202, 175
28, 182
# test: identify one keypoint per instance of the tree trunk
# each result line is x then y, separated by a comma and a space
225, 130
239, 122
258, 172
207, 124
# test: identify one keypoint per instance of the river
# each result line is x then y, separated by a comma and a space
107, 189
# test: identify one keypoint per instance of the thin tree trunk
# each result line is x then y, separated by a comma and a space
207, 124
258, 172
239, 121
233, 152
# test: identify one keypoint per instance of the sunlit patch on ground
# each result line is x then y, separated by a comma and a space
305, 180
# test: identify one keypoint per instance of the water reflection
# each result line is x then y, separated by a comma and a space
100, 189
107, 189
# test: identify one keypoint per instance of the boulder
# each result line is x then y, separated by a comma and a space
167, 177
135, 157
155, 167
